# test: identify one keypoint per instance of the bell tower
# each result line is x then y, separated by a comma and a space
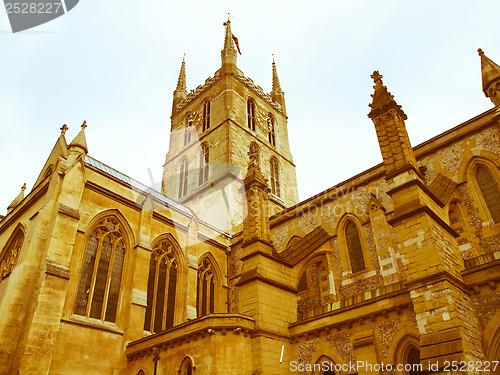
214, 130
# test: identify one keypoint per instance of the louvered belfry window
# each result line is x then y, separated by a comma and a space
271, 130
354, 247
162, 285
275, 177
489, 191
205, 303
183, 178
251, 114
99, 286
204, 164
206, 115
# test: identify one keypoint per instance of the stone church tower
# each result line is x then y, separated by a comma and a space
215, 130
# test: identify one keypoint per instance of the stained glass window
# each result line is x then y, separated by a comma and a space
162, 285
354, 247
99, 286
11, 254
206, 289
490, 192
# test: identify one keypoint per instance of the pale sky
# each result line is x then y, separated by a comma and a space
115, 65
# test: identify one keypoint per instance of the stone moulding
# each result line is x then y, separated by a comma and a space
57, 269
69, 211
201, 328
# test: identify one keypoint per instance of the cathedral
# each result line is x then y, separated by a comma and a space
225, 271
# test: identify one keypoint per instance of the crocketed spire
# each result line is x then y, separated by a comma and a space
276, 81
277, 95
80, 140
382, 99
228, 40
181, 82
228, 53
490, 74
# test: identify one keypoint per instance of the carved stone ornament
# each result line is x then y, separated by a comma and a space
11, 256
253, 154
194, 118
263, 120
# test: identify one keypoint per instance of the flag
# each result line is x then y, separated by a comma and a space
236, 42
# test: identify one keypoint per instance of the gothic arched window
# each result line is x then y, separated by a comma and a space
413, 359
204, 160
162, 285
187, 366
489, 191
271, 131
353, 242
188, 130
275, 177
302, 285
205, 301
206, 115
183, 177
251, 114
99, 286
11, 252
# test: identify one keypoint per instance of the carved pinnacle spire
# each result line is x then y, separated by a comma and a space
276, 81
382, 99
181, 82
228, 53
80, 140
18, 199
228, 40
490, 74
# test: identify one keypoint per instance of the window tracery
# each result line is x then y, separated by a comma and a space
99, 286
162, 286
11, 254
205, 303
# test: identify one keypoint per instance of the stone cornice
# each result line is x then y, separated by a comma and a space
209, 325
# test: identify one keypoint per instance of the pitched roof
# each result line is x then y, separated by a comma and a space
305, 246
442, 187
137, 185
